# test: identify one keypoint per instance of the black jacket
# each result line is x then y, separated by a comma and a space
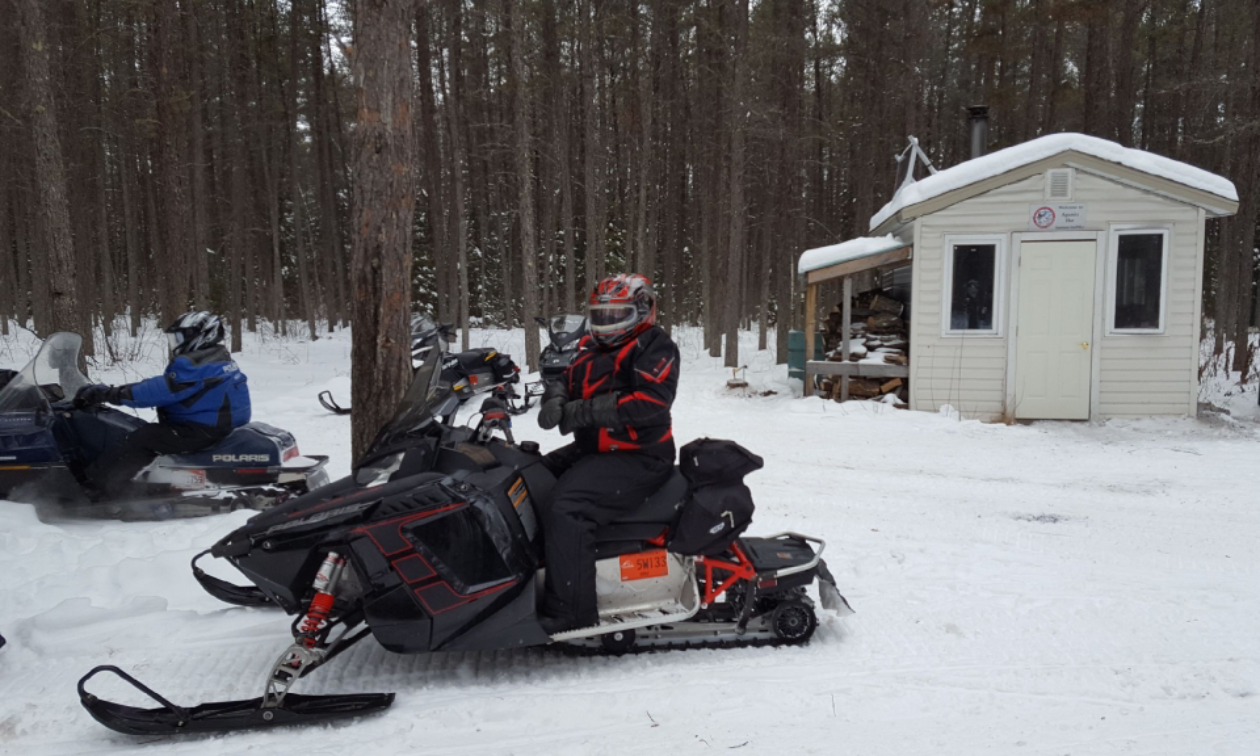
643, 376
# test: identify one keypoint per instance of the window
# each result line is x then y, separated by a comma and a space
972, 286
1138, 275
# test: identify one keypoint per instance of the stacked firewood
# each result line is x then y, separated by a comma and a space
877, 331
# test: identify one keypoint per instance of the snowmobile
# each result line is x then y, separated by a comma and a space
46, 442
433, 543
564, 332
469, 373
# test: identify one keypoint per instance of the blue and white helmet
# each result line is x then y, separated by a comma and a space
194, 330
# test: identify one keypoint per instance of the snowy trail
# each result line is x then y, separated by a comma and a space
1044, 589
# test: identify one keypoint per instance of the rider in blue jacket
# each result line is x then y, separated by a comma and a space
200, 398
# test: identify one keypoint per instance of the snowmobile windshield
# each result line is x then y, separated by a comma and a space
51, 376
415, 412
566, 327
422, 327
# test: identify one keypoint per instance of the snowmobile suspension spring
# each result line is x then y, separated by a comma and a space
320, 610
316, 617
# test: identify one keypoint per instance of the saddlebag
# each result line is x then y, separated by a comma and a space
719, 507
479, 367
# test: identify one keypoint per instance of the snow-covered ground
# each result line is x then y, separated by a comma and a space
1048, 589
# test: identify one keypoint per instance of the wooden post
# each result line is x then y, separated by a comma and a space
845, 333
811, 308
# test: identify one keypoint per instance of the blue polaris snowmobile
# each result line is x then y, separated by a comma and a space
46, 442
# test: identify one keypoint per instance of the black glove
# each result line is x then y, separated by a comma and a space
552, 409
89, 396
599, 412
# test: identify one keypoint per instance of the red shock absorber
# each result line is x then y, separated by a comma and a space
318, 612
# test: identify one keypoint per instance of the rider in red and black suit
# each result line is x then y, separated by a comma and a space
615, 400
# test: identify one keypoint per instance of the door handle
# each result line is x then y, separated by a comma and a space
1084, 345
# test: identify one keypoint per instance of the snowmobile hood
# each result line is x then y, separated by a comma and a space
325, 513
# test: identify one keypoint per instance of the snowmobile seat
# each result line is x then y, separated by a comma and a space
253, 444
658, 511
661, 507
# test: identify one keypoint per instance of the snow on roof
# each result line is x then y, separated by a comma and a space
1002, 161
853, 249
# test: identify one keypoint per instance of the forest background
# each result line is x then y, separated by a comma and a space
157, 155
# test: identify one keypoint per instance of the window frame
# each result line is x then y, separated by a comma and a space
999, 242
1113, 280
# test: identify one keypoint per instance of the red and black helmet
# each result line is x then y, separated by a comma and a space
621, 307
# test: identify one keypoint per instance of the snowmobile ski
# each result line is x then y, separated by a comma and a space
222, 716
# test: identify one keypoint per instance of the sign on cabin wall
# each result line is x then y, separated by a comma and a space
1051, 217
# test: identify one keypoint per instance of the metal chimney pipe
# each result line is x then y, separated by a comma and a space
978, 119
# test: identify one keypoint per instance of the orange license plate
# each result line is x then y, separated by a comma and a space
643, 565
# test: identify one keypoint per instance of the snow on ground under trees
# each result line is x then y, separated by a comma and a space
1055, 588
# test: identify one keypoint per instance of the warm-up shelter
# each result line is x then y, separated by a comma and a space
1057, 279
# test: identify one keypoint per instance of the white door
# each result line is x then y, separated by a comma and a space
1055, 328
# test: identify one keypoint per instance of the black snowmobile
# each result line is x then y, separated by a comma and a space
433, 544
469, 373
565, 331
45, 442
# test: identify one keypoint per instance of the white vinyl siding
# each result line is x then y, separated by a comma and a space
1138, 374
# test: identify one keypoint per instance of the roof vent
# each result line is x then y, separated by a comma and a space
1059, 184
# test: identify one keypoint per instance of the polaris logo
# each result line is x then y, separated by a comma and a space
242, 457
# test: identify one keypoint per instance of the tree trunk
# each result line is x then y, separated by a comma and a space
565, 177
460, 218
431, 178
738, 219
384, 203
593, 189
50, 172
197, 146
306, 291
10, 293
326, 174
525, 178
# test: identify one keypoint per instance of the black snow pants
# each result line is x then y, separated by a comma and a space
592, 490
111, 472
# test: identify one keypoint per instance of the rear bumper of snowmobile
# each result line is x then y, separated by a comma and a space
222, 716
311, 471
830, 595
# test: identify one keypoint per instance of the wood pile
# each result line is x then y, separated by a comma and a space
877, 330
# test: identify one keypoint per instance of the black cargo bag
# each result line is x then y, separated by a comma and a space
719, 507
